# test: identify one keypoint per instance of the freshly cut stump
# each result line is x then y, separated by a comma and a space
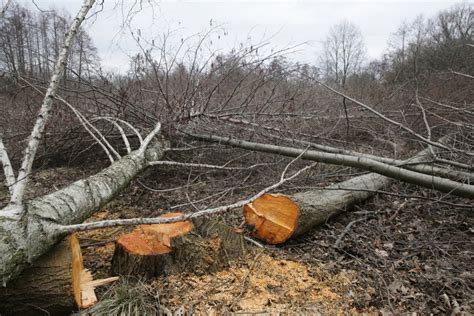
55, 284
199, 246
146, 250
275, 218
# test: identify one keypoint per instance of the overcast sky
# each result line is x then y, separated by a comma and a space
284, 22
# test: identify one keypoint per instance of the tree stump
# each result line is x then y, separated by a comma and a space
55, 284
199, 247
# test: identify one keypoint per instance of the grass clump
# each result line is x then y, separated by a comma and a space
127, 298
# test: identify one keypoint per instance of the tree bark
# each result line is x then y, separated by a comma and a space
55, 284
51, 284
275, 218
25, 236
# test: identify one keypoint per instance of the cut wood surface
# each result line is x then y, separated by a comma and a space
199, 246
56, 284
275, 218
145, 251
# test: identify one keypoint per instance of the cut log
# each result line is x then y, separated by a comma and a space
56, 284
199, 246
275, 218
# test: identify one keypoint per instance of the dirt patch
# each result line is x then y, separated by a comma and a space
401, 255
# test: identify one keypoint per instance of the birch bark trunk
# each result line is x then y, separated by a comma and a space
24, 236
362, 162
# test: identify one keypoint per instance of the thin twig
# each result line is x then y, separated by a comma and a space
60, 229
45, 110
345, 231
387, 119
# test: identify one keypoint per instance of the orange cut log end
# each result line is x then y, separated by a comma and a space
155, 239
273, 216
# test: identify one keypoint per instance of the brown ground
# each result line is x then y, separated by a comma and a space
399, 255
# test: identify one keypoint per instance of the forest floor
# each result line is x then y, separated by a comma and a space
393, 255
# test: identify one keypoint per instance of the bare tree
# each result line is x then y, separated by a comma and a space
343, 52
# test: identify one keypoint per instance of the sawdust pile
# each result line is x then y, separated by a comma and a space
260, 284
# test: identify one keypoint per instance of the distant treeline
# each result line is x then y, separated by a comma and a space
30, 41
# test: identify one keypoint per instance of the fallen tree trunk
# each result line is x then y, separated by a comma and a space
421, 166
26, 234
361, 162
275, 218
198, 246
56, 283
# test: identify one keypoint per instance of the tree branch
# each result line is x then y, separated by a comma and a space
393, 122
45, 110
60, 229
4, 9
7, 167
361, 162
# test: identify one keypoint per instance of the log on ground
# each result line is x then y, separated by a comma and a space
56, 284
275, 218
200, 246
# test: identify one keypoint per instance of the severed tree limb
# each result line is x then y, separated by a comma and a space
7, 167
202, 165
361, 162
275, 218
418, 167
45, 110
462, 74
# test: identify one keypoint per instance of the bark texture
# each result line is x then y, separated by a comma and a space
26, 235
277, 218
316, 207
